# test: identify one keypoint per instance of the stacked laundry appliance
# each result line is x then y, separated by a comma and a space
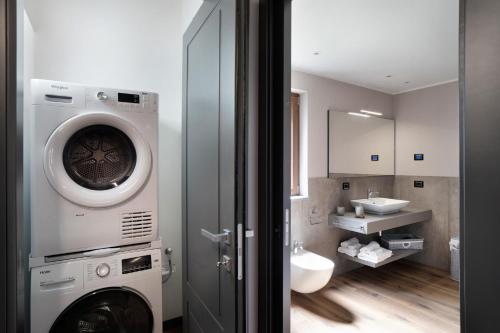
95, 252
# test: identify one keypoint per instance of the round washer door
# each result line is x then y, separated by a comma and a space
109, 310
97, 160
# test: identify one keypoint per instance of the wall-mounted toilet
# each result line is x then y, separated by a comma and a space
309, 272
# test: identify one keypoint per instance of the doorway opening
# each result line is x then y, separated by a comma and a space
375, 243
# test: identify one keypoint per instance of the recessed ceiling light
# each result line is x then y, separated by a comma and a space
371, 112
358, 114
316, 53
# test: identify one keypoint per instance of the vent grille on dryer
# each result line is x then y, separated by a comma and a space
137, 224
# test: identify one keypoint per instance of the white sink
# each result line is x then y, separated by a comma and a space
381, 206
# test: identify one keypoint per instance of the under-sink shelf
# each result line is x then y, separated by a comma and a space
375, 223
397, 254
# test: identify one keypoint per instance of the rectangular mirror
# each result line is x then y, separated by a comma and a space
359, 144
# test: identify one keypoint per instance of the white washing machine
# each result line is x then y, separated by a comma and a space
93, 167
118, 293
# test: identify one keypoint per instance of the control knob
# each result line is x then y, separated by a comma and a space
102, 270
101, 95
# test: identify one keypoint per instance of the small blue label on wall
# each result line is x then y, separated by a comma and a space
374, 158
418, 157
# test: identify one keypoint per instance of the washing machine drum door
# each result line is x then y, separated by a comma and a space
97, 160
110, 310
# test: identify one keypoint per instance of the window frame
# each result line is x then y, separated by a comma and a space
295, 153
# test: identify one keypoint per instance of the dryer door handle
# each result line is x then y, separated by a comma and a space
101, 252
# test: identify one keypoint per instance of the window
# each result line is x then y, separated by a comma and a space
295, 144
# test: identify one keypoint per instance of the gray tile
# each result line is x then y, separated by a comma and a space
454, 217
434, 196
310, 215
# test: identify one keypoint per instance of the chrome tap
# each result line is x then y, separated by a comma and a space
297, 246
372, 194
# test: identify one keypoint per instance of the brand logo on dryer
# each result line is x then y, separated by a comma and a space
44, 272
59, 87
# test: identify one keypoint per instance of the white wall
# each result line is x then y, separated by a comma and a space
326, 94
427, 121
189, 9
28, 72
125, 44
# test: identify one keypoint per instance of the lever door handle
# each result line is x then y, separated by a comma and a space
224, 237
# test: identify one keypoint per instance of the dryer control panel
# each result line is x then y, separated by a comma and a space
124, 100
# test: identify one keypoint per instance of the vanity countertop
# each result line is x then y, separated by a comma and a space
375, 223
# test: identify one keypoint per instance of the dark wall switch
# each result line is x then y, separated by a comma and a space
418, 183
346, 186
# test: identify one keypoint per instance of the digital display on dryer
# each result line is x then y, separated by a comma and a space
129, 98
136, 264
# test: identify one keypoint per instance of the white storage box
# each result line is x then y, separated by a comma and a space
402, 242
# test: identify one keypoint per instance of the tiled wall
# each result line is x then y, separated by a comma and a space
441, 194
310, 216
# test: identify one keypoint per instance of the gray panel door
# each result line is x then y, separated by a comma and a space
209, 165
480, 103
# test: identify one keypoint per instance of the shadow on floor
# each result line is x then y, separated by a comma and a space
323, 306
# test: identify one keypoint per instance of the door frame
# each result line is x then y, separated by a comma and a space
274, 277
241, 108
12, 250
274, 166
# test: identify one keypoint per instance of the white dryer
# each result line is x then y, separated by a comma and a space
119, 293
93, 167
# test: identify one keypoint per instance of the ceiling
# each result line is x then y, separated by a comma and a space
391, 46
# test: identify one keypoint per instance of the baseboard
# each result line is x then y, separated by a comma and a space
173, 323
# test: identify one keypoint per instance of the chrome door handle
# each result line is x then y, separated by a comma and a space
224, 237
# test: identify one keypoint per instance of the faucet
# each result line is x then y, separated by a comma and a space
297, 246
372, 194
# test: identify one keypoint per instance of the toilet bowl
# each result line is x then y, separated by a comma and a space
309, 272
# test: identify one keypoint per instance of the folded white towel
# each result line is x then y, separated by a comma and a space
375, 258
377, 255
345, 250
350, 242
370, 247
379, 252
351, 250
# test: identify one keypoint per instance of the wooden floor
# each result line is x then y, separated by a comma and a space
399, 297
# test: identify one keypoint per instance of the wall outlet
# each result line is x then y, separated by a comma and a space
418, 183
346, 186
315, 216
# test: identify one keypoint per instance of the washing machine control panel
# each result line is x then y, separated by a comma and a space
102, 270
136, 264
97, 270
